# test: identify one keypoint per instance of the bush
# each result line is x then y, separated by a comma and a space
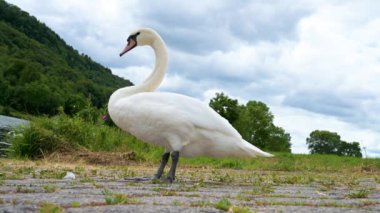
5, 110
63, 133
34, 142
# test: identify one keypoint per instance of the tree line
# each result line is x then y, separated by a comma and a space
326, 142
254, 122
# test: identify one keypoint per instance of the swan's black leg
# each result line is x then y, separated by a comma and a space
171, 174
164, 161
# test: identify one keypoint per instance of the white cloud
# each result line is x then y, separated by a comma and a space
291, 118
136, 74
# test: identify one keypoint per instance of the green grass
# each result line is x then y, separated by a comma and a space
165, 192
23, 189
289, 162
363, 193
261, 189
75, 204
50, 188
118, 198
51, 173
311, 204
64, 134
240, 209
223, 204
201, 203
51, 208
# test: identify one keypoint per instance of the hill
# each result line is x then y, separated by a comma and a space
39, 72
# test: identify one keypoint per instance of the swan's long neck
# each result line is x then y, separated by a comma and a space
154, 79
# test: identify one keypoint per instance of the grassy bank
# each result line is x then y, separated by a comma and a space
66, 135
292, 162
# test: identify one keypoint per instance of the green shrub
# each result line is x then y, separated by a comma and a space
5, 110
63, 134
34, 142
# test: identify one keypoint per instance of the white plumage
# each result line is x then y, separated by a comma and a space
177, 122
181, 123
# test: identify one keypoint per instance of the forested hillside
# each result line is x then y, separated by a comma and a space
39, 72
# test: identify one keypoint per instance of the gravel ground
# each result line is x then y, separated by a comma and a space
31, 188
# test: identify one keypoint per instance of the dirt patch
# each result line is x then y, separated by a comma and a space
94, 158
108, 158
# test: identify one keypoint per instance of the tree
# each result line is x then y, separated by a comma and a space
254, 122
4, 91
74, 104
350, 149
279, 140
30, 73
226, 107
325, 142
37, 98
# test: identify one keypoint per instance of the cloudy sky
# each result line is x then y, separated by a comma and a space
316, 64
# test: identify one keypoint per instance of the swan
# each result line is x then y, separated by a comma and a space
182, 125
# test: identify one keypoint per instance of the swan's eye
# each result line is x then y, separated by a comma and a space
133, 37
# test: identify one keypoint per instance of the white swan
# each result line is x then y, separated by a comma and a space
183, 125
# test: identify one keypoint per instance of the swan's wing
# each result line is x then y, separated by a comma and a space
203, 116
170, 106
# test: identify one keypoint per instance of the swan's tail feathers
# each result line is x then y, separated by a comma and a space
266, 154
255, 152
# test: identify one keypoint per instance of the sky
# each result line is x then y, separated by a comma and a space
316, 64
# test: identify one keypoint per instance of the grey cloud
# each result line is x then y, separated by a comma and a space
326, 102
346, 107
216, 27
267, 21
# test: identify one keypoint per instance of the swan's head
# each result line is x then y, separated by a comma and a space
141, 37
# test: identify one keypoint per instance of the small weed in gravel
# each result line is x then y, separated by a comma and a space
117, 198
21, 189
363, 193
223, 204
165, 192
50, 189
50, 173
239, 209
327, 184
177, 203
75, 204
51, 208
265, 188
377, 179
201, 203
